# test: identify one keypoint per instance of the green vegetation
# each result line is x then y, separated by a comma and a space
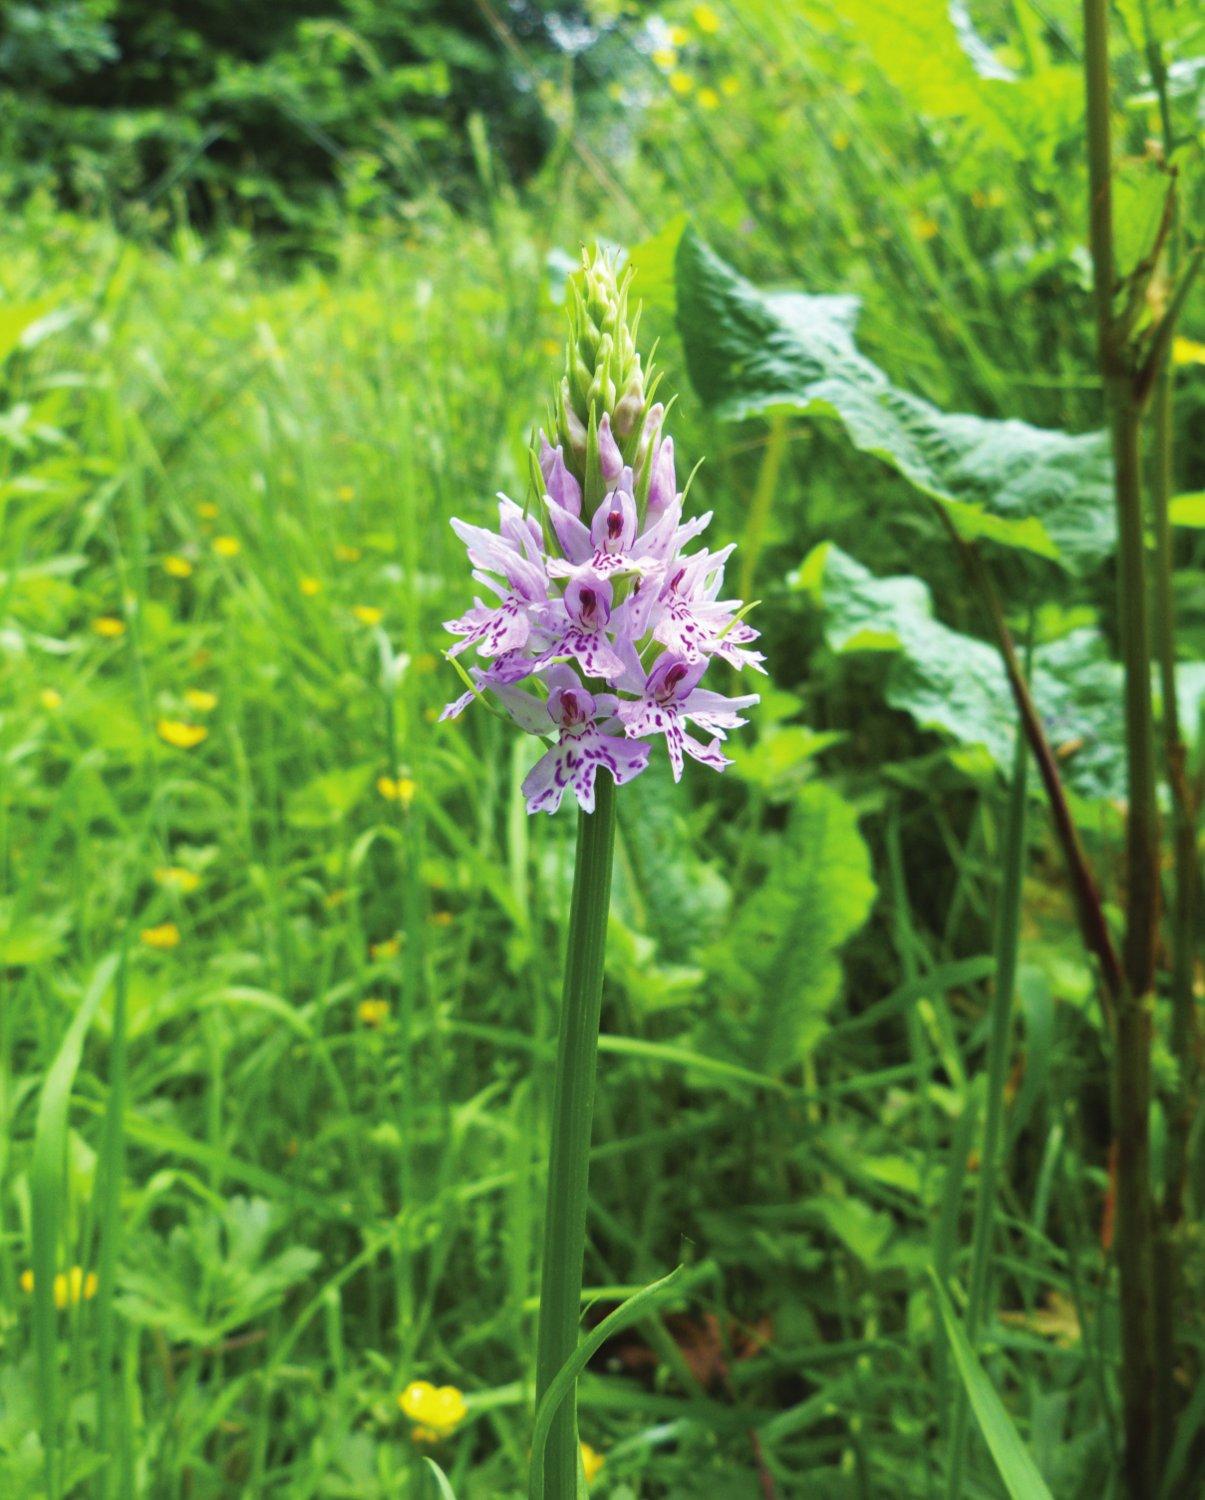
281, 956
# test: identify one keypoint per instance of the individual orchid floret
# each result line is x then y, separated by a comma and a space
670, 698
586, 743
605, 623
690, 620
586, 606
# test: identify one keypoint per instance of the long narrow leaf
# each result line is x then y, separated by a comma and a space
46, 1189
562, 1383
1013, 1462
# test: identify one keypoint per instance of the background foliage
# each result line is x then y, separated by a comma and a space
280, 294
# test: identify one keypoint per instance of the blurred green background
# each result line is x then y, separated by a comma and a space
280, 293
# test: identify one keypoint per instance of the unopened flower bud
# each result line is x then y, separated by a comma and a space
610, 460
663, 486
558, 481
629, 406
573, 429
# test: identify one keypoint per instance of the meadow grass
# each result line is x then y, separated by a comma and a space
279, 955
309, 939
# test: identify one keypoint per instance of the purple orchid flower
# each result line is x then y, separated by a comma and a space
604, 627
587, 742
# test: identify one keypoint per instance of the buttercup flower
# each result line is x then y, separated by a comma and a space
438, 1410
179, 735
592, 1462
600, 612
70, 1287
166, 935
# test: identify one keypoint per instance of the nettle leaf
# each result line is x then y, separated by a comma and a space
776, 966
751, 353
955, 684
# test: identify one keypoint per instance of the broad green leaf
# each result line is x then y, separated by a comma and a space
653, 262
777, 964
1016, 1468
955, 684
751, 353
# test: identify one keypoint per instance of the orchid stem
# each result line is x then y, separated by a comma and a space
572, 1114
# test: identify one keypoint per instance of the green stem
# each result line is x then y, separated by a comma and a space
1132, 1064
1008, 926
572, 1114
762, 502
1183, 1039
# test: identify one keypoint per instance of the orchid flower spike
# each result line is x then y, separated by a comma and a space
601, 614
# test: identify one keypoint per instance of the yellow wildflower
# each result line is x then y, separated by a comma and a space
227, 546
730, 86
177, 567
166, 935
201, 699
402, 790
368, 614
177, 878
841, 140
681, 83
442, 918
343, 553
310, 586
50, 699
665, 58
678, 36
592, 1462
923, 227
346, 493
1187, 352
109, 626
387, 948
70, 1287
179, 735
374, 1012
425, 1435
207, 510
705, 19
438, 1408
708, 99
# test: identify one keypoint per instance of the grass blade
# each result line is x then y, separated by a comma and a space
563, 1381
1013, 1462
46, 1189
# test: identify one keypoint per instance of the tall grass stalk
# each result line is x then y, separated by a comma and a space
1008, 924
1132, 1057
111, 1167
572, 1114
